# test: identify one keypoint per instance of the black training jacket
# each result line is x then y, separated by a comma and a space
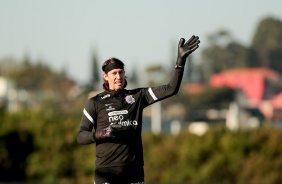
122, 107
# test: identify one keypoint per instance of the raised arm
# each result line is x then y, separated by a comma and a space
165, 91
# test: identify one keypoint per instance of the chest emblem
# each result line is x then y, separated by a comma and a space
129, 99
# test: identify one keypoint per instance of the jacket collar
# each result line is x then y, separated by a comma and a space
118, 93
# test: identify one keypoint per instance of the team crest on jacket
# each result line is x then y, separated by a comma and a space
129, 99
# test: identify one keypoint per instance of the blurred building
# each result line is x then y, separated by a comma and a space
258, 95
8, 94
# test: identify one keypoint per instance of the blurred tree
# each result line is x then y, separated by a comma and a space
192, 72
267, 44
7, 65
39, 77
39, 82
222, 53
133, 79
196, 105
95, 74
156, 74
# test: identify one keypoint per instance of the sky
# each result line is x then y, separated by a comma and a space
66, 33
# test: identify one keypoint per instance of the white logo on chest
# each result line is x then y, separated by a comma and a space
118, 116
129, 99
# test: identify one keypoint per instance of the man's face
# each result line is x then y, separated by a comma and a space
116, 78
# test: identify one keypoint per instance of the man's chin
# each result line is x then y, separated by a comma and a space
119, 87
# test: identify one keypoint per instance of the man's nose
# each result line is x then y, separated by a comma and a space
118, 76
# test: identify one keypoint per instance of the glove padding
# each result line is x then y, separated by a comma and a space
106, 133
185, 49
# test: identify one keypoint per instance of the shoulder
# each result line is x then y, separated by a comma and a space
135, 91
98, 96
138, 92
96, 99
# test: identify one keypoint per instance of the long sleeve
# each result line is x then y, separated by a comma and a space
85, 134
161, 92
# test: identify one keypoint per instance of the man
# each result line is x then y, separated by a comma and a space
116, 116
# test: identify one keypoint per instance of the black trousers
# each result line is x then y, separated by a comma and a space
119, 175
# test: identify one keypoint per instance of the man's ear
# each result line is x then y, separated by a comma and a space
105, 76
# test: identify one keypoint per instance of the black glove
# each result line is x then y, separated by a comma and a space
185, 49
106, 133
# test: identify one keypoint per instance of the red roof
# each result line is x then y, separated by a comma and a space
277, 101
193, 88
250, 80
